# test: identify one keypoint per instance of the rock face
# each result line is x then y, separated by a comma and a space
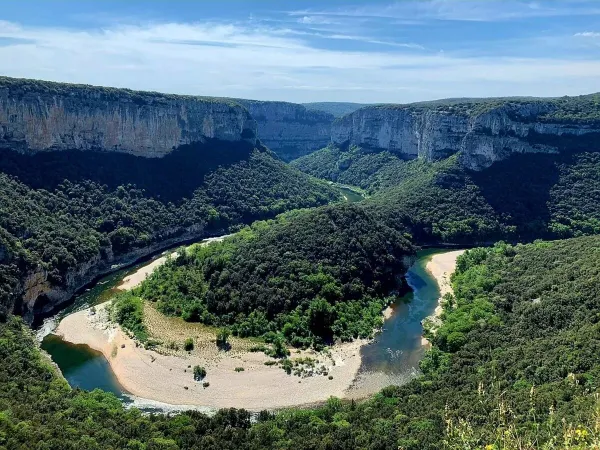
40, 298
38, 116
483, 133
289, 129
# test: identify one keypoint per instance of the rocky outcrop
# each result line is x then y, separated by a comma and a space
41, 298
289, 129
38, 116
482, 132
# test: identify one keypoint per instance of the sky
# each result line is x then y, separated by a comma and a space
376, 51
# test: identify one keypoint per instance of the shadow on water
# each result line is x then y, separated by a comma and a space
81, 366
393, 358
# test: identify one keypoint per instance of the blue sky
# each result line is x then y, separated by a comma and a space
369, 51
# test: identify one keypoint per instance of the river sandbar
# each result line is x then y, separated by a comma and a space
165, 377
441, 266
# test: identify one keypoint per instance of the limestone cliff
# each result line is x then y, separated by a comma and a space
483, 131
40, 298
289, 129
38, 116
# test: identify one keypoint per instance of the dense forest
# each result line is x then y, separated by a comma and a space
59, 210
513, 366
550, 195
313, 275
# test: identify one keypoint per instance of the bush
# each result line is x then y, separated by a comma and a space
222, 339
128, 311
199, 373
188, 345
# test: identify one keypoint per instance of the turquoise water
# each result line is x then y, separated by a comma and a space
393, 358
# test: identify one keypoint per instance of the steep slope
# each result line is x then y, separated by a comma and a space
77, 200
40, 116
524, 197
290, 129
484, 131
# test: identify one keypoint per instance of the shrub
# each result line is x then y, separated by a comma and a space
188, 345
199, 373
222, 339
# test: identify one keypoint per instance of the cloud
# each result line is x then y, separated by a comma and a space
254, 61
414, 11
588, 34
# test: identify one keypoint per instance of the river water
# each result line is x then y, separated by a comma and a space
393, 357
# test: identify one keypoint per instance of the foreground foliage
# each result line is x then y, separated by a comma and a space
521, 373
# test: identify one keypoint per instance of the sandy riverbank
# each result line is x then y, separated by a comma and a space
441, 266
164, 377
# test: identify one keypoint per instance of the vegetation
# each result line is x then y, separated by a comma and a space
128, 311
312, 276
46, 221
582, 109
521, 373
188, 345
20, 87
199, 373
222, 339
550, 196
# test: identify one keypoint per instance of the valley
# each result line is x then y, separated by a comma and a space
324, 303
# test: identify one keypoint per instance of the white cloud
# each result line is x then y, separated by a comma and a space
461, 10
270, 63
589, 34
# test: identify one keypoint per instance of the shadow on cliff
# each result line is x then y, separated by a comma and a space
519, 189
171, 178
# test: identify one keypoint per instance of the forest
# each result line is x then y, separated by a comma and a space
551, 196
313, 275
514, 365
61, 209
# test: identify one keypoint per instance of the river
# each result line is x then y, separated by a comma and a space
392, 358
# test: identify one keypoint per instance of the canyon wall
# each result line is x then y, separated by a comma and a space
482, 132
37, 116
289, 129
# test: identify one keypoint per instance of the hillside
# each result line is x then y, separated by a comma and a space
313, 275
77, 199
483, 131
289, 129
511, 367
525, 197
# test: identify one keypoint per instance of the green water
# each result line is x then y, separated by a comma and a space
393, 358
350, 195
81, 366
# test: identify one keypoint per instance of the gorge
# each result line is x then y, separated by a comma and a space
92, 179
